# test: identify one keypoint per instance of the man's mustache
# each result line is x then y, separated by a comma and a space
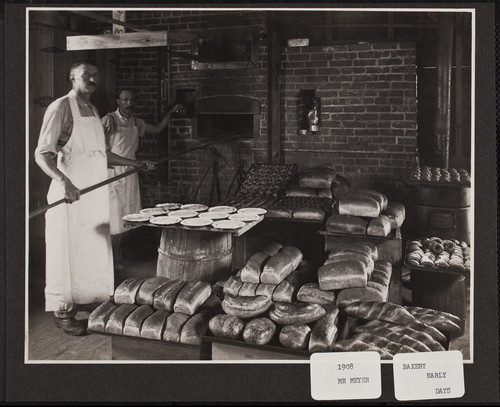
93, 84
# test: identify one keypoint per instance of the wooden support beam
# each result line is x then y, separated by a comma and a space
274, 98
120, 16
126, 40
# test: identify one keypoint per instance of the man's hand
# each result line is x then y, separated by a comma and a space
71, 193
150, 165
176, 108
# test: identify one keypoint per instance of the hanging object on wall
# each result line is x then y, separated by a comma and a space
314, 116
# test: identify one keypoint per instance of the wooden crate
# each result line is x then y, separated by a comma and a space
130, 348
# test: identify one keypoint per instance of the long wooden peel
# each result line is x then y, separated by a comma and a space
36, 212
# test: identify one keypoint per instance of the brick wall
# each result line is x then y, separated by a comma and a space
368, 102
368, 110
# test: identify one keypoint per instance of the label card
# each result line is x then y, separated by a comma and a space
345, 375
428, 375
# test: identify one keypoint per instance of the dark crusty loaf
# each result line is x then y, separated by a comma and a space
281, 265
145, 295
173, 326
100, 316
384, 343
295, 336
259, 331
134, 321
309, 213
164, 298
278, 212
246, 307
195, 328
311, 292
300, 191
126, 292
285, 313
361, 246
387, 328
383, 311
192, 296
154, 325
226, 326
429, 311
349, 295
379, 226
346, 224
442, 321
324, 332
117, 319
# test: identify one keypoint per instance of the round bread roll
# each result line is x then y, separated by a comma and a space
259, 331
226, 326
295, 336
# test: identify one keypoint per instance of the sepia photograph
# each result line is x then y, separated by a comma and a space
218, 187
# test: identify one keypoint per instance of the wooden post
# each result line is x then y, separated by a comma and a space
274, 93
442, 121
118, 15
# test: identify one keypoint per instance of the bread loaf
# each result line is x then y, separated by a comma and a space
226, 326
284, 313
154, 325
317, 177
145, 294
363, 247
295, 336
380, 226
382, 289
378, 196
265, 289
350, 295
195, 328
300, 191
250, 273
134, 321
396, 213
100, 316
363, 206
406, 340
232, 285
117, 319
173, 326
355, 345
346, 224
343, 274
443, 321
309, 213
387, 328
164, 298
381, 342
281, 265
383, 311
248, 289
366, 260
324, 332
278, 212
311, 293
435, 333
246, 307
259, 331
192, 296
126, 292
286, 290
272, 248
324, 193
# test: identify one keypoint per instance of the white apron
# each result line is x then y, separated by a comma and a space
124, 194
79, 263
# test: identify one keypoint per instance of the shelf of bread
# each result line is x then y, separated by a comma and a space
438, 255
436, 176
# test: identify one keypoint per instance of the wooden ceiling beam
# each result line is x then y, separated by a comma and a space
126, 40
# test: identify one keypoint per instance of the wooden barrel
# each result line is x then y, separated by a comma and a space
446, 223
194, 255
440, 291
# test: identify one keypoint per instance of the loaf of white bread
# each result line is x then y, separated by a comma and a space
226, 326
317, 177
379, 226
145, 294
325, 331
362, 202
396, 213
154, 325
192, 296
259, 331
117, 319
99, 317
295, 336
164, 298
281, 265
346, 224
345, 269
286, 291
310, 292
251, 271
134, 321
126, 292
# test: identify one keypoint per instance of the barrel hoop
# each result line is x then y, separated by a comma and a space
197, 258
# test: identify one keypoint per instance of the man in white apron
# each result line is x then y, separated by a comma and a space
79, 262
123, 131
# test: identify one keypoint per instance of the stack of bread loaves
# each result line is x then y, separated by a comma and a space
157, 308
366, 212
274, 297
390, 328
